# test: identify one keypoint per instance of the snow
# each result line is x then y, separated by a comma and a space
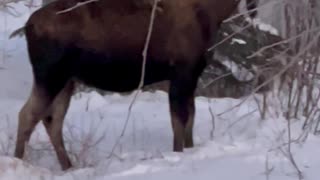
242, 142
239, 41
239, 72
239, 145
263, 26
13, 55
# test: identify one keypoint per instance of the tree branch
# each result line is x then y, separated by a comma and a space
141, 83
79, 4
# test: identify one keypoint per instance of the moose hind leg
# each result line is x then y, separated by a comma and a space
29, 116
54, 124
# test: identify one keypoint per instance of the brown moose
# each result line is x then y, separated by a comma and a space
100, 44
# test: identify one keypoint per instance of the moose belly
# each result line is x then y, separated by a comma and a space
118, 73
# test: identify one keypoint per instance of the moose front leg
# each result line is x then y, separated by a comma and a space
182, 119
181, 99
188, 134
177, 127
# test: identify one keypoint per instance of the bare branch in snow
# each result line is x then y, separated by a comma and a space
290, 155
268, 169
212, 119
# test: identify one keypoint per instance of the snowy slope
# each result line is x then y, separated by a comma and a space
239, 145
244, 147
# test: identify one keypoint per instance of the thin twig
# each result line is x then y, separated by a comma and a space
212, 119
228, 37
252, 10
290, 155
141, 83
79, 4
260, 51
268, 169
293, 61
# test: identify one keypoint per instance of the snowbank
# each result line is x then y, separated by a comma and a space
241, 147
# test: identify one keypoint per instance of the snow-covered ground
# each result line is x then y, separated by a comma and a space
238, 145
15, 71
242, 146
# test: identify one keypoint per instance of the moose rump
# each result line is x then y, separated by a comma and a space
101, 44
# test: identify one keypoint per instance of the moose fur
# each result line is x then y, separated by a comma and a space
100, 44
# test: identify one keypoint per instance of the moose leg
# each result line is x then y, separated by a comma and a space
177, 124
182, 118
188, 136
29, 116
182, 106
181, 98
54, 124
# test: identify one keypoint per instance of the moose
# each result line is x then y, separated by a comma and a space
100, 44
